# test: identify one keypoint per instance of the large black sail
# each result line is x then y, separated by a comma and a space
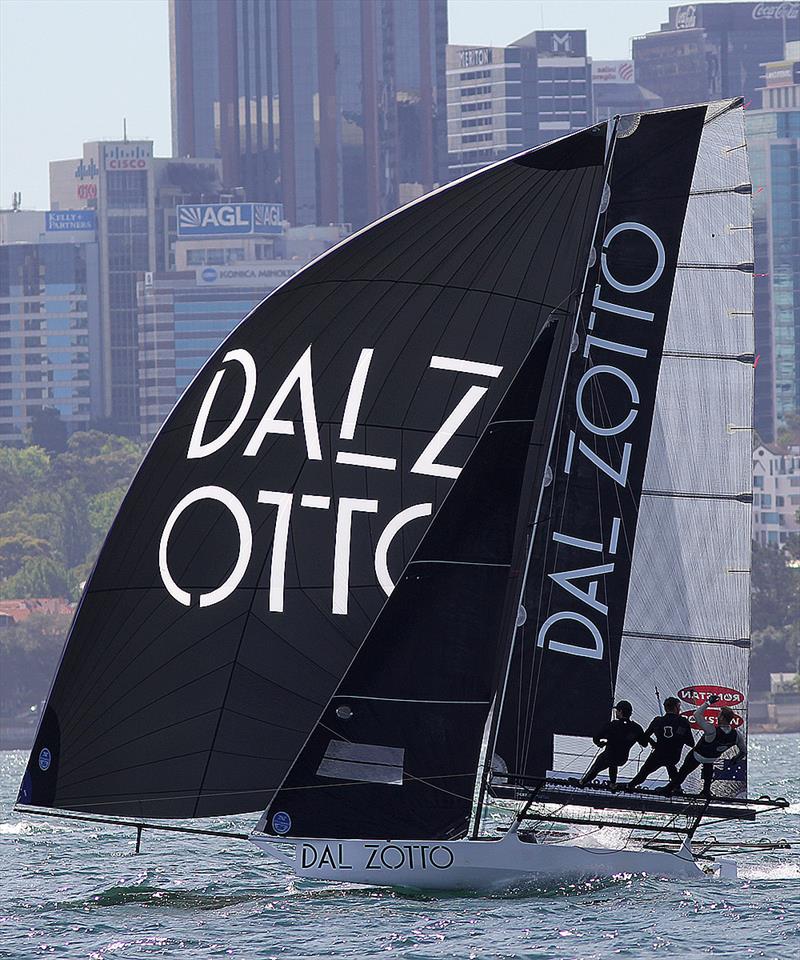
395, 753
291, 484
564, 671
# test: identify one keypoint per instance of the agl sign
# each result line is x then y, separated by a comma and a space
217, 219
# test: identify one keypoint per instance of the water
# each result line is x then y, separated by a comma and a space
70, 890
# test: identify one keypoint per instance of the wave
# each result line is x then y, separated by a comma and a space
767, 871
151, 896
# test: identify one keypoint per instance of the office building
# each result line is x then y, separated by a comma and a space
49, 318
227, 259
709, 51
776, 494
337, 110
504, 99
773, 135
133, 195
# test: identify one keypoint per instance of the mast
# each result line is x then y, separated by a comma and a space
525, 537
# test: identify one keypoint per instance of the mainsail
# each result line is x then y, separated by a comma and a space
290, 486
639, 584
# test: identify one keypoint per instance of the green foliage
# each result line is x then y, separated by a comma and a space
48, 430
775, 589
55, 510
775, 609
37, 577
774, 650
29, 652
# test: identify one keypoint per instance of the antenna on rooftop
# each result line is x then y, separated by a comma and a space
124, 130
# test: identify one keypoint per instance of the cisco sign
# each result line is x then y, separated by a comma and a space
220, 219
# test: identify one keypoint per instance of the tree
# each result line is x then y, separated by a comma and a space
48, 430
775, 588
16, 550
38, 577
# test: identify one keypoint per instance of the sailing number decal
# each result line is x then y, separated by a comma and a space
432, 461
603, 346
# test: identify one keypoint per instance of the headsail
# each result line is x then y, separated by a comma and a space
640, 581
291, 483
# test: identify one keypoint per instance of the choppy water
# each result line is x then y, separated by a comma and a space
69, 890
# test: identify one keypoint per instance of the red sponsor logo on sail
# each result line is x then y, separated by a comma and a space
699, 693
712, 715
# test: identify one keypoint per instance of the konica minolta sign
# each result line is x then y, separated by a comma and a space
221, 219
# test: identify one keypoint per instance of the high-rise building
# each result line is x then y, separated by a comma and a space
49, 318
708, 51
337, 110
773, 137
228, 257
133, 195
503, 99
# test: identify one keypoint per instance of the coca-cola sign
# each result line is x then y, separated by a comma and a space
686, 17
776, 11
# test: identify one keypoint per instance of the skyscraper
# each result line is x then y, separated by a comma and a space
49, 318
337, 110
707, 51
503, 99
133, 195
773, 136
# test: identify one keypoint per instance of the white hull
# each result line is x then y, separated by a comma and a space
480, 865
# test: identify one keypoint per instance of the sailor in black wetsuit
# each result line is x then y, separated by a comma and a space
715, 741
668, 735
616, 737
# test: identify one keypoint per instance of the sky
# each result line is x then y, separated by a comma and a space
73, 70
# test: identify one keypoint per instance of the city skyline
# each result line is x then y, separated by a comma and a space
127, 86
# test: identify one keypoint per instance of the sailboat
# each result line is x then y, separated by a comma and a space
437, 503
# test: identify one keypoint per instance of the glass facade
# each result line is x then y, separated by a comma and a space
709, 51
337, 110
48, 302
774, 148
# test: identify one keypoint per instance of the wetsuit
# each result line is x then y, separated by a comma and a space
715, 741
672, 733
616, 737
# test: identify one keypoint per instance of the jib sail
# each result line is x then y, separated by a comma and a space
639, 584
290, 486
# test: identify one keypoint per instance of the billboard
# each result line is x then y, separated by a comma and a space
258, 273
69, 220
226, 219
781, 73
127, 156
612, 71
561, 43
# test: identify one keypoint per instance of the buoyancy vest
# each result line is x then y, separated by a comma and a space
711, 749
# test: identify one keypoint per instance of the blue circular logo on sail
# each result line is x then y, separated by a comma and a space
209, 274
45, 759
281, 822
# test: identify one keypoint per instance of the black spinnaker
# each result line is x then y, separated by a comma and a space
292, 483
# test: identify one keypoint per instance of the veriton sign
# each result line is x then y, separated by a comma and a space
224, 219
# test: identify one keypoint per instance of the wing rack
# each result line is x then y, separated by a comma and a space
600, 797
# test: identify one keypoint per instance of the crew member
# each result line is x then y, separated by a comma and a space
715, 741
616, 737
667, 735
